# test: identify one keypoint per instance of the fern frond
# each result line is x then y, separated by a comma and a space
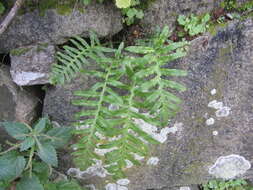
73, 58
161, 102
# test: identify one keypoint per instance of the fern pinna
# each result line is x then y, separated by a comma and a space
136, 85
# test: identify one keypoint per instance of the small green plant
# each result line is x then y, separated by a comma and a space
2, 8
194, 25
138, 86
229, 4
236, 184
28, 163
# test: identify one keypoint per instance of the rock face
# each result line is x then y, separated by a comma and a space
32, 28
214, 129
57, 102
165, 12
31, 65
15, 104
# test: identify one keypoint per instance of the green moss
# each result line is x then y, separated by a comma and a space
214, 27
19, 51
63, 7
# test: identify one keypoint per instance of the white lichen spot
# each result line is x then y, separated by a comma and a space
215, 104
74, 172
102, 152
229, 167
81, 127
213, 91
215, 133
138, 157
24, 78
223, 112
91, 187
153, 161
113, 107
113, 186
210, 121
100, 136
129, 164
153, 130
123, 182
185, 188
95, 170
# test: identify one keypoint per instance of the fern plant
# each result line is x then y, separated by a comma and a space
136, 85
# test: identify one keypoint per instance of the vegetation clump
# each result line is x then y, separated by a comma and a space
130, 88
235, 184
28, 163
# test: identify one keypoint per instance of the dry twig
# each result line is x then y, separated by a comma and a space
10, 16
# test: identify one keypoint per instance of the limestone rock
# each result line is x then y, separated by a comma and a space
53, 28
15, 104
57, 102
223, 62
31, 65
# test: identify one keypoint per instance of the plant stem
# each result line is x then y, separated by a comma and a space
10, 16
10, 149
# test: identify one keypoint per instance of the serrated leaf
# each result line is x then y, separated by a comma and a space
48, 154
15, 129
27, 143
29, 183
42, 171
11, 166
40, 126
61, 135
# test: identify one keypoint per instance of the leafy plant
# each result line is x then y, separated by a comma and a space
236, 184
28, 162
136, 85
194, 25
229, 4
2, 8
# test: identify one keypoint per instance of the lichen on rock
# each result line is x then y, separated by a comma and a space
229, 167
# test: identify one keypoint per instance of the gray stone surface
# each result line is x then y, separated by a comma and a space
165, 12
57, 102
31, 65
32, 28
15, 104
223, 62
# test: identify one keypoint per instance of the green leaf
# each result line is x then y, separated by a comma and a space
2, 8
68, 185
48, 154
42, 171
62, 136
123, 3
29, 183
12, 165
27, 143
140, 49
86, 2
40, 126
16, 130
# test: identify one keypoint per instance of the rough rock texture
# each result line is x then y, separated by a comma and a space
219, 87
31, 65
57, 102
32, 28
15, 104
165, 12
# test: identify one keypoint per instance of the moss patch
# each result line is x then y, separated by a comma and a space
19, 51
63, 7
